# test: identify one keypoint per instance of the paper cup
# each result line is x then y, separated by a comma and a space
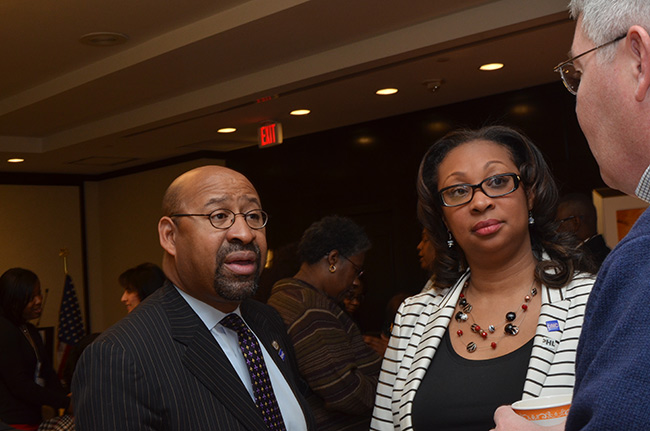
544, 411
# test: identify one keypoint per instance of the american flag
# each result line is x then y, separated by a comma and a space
71, 325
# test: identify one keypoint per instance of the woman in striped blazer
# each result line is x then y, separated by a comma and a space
503, 319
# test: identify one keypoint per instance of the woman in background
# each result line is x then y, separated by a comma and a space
353, 298
340, 368
503, 318
27, 379
140, 282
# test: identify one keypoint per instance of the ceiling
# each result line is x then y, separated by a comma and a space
191, 67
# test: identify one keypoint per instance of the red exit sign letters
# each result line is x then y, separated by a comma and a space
269, 134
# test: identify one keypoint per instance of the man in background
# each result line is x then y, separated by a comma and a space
576, 214
610, 76
179, 361
427, 256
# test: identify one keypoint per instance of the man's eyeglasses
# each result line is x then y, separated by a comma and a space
494, 187
356, 267
566, 219
224, 218
570, 76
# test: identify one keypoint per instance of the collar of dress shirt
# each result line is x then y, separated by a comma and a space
643, 189
209, 315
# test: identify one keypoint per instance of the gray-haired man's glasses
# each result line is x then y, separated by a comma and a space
570, 76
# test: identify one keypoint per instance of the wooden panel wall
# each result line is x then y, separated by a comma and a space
368, 172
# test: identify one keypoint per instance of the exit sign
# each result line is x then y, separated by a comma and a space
269, 134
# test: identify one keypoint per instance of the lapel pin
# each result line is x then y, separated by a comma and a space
552, 325
276, 346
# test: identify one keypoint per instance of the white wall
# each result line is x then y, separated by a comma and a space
121, 232
36, 222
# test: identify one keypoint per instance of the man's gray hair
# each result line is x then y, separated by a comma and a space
605, 20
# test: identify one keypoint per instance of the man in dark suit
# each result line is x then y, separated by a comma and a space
576, 214
173, 364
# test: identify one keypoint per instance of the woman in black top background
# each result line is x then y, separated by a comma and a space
27, 379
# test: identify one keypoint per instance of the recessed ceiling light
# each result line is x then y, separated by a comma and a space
491, 66
104, 38
386, 91
365, 140
300, 112
16, 160
227, 130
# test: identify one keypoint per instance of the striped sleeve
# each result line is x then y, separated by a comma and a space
397, 360
382, 415
331, 354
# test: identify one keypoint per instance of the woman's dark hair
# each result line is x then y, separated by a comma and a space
16, 289
144, 279
536, 179
332, 233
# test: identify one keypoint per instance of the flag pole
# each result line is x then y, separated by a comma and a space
64, 254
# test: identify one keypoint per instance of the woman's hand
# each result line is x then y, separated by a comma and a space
507, 420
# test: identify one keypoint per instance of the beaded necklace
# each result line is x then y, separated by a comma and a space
510, 324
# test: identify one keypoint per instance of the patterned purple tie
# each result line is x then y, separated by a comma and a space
262, 389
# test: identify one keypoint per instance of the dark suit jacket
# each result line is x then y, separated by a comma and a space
597, 249
160, 368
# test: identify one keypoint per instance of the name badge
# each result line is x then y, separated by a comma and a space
552, 325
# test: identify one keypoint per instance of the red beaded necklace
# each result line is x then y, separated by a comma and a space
510, 328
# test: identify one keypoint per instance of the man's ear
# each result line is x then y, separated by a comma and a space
577, 222
639, 43
167, 230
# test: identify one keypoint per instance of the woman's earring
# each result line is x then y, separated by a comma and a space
332, 268
531, 219
450, 241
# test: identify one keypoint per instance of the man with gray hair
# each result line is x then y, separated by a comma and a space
610, 76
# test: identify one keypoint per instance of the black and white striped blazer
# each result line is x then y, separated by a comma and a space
422, 320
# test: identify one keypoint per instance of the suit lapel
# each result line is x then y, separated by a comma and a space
266, 335
205, 359
550, 327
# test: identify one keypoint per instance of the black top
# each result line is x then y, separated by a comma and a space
462, 394
20, 397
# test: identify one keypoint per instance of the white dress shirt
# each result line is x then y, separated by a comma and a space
227, 339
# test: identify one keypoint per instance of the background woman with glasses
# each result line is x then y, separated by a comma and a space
503, 319
332, 357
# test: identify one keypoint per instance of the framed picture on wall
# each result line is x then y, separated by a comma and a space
617, 213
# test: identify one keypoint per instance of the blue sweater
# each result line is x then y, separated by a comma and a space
612, 389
